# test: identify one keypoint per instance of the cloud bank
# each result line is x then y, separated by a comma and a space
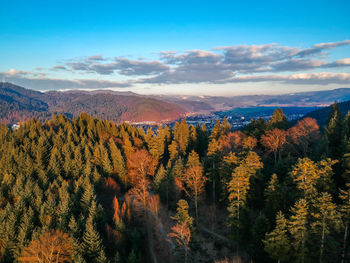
226, 64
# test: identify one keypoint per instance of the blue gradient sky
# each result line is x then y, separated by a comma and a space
44, 34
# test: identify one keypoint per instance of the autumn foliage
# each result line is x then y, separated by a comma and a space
52, 247
274, 140
88, 190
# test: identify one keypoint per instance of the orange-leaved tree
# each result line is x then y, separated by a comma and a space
54, 246
303, 134
274, 140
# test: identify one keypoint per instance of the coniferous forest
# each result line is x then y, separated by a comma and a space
88, 190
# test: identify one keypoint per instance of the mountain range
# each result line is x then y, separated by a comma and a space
300, 99
18, 104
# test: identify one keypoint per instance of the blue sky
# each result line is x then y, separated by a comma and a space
126, 45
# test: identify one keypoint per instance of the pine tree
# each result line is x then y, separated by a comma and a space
132, 258
182, 215
273, 197
345, 213
55, 162
202, 136
64, 206
88, 195
182, 136
216, 131
220, 128
73, 227
160, 177
193, 144
298, 228
335, 132
277, 242
92, 243
278, 120
256, 128
173, 149
181, 232
310, 175
252, 162
117, 258
239, 185
237, 189
118, 162
127, 147
326, 220
225, 126
346, 126
214, 160
176, 174
194, 179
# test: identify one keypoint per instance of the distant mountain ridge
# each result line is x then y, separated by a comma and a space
18, 104
300, 99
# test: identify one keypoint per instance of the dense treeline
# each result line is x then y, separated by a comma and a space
87, 190
321, 115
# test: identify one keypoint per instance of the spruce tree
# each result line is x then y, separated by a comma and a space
193, 179
277, 242
345, 213
182, 215
326, 220
273, 197
182, 136
278, 120
335, 132
298, 228
92, 244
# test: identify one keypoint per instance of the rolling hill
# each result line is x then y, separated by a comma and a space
18, 104
322, 115
300, 99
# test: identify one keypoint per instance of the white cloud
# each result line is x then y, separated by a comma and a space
227, 64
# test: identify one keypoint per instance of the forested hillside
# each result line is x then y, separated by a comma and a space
88, 190
18, 104
321, 115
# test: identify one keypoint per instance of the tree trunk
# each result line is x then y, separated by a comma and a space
195, 203
322, 244
214, 204
167, 194
345, 239
238, 225
303, 248
214, 184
